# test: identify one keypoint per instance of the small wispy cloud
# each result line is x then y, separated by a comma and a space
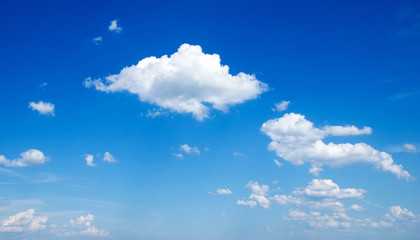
222, 191
97, 40
178, 155
190, 150
109, 158
238, 154
281, 106
278, 164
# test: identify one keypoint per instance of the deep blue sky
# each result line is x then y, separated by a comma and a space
337, 62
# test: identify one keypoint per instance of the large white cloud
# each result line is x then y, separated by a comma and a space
296, 140
23, 221
188, 81
42, 107
28, 158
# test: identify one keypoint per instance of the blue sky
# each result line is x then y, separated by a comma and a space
210, 120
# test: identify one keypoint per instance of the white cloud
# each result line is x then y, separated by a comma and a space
82, 226
109, 158
23, 221
258, 195
113, 27
281, 106
318, 220
27, 221
278, 164
356, 207
97, 40
89, 160
42, 107
315, 171
154, 113
188, 81
249, 203
326, 188
222, 191
296, 140
318, 194
178, 155
28, 158
410, 147
189, 149
43, 85
238, 154
397, 213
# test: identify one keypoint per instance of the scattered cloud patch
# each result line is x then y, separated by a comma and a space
81, 226
113, 27
296, 140
109, 158
43, 85
154, 113
188, 81
30, 157
23, 221
258, 195
190, 150
178, 155
97, 40
238, 154
318, 194
318, 220
356, 207
281, 106
397, 213
249, 203
44, 108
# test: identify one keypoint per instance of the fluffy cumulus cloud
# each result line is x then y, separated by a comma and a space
281, 106
259, 194
113, 26
188, 81
23, 221
28, 158
42, 107
89, 160
318, 194
326, 188
396, 213
188, 149
322, 199
109, 158
296, 140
